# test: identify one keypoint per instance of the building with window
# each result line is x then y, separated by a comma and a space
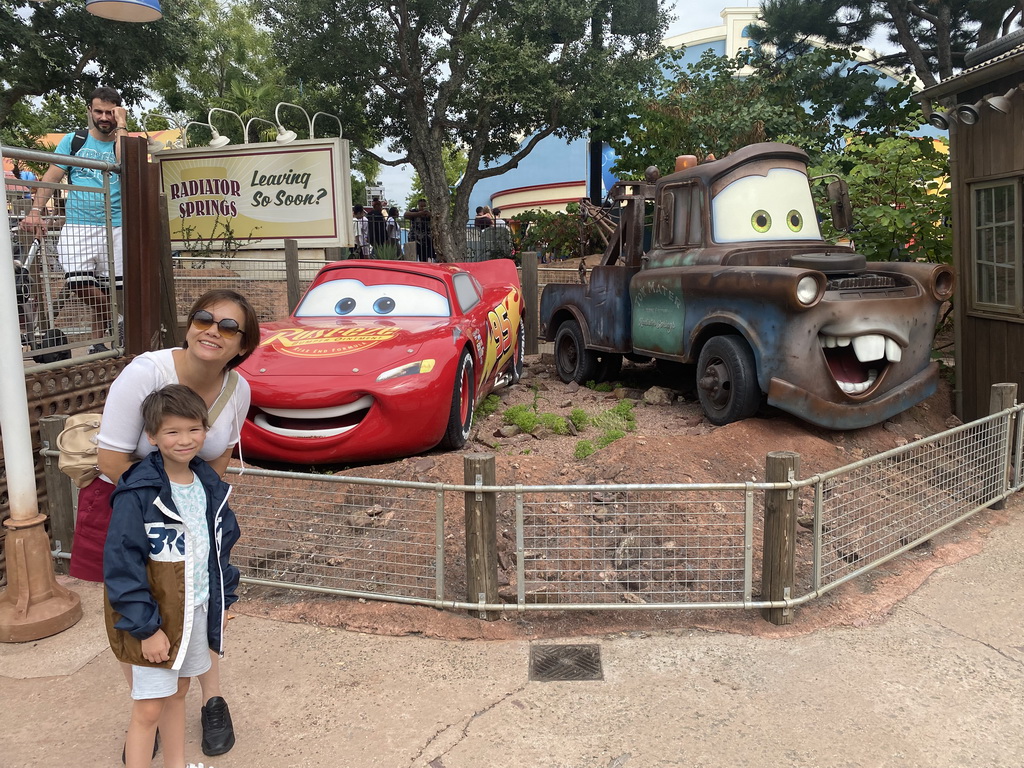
983, 107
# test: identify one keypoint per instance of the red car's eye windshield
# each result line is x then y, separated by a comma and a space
349, 297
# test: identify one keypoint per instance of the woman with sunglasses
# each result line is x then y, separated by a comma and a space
223, 330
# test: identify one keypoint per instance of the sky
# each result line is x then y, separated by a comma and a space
691, 15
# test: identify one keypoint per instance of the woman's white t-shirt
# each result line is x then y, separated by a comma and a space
121, 428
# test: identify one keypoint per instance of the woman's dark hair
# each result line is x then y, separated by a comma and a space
172, 400
251, 325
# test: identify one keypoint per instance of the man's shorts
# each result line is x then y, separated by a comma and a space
159, 683
82, 249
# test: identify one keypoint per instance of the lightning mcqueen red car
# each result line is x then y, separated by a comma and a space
383, 359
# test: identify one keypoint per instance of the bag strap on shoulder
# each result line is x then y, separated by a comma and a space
224, 397
79, 141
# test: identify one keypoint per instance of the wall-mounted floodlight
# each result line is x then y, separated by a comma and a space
218, 140
941, 120
154, 145
258, 120
325, 114
969, 114
285, 136
184, 132
1002, 103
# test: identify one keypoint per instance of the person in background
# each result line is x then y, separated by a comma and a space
394, 233
223, 330
377, 226
482, 220
167, 572
82, 247
360, 232
498, 221
419, 230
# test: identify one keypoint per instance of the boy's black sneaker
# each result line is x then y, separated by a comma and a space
96, 348
218, 735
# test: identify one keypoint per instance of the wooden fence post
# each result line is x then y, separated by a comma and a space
291, 272
481, 533
1001, 397
778, 561
531, 300
59, 494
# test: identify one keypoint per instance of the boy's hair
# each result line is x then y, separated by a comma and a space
103, 93
172, 400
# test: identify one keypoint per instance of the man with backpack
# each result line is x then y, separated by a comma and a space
82, 247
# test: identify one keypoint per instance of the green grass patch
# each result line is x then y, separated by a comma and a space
487, 406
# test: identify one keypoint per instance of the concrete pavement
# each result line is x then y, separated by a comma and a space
939, 683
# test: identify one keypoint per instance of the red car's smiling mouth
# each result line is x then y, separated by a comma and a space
313, 422
858, 362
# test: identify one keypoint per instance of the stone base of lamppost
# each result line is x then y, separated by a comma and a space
34, 605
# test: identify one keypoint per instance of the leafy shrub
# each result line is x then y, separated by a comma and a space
521, 416
487, 406
584, 448
579, 418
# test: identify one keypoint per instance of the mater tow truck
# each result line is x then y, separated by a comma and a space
733, 288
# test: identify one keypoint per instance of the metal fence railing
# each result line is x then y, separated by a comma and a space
617, 546
60, 318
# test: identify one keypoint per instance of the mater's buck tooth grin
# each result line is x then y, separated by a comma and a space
856, 362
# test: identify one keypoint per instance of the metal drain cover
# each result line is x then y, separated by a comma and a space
565, 662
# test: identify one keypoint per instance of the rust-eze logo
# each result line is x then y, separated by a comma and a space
327, 342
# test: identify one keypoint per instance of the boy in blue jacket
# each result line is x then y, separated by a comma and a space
166, 571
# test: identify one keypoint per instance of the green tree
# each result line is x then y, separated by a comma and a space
454, 159
899, 187
932, 36
58, 47
494, 79
720, 104
231, 65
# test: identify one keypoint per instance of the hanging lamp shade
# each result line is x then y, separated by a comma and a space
125, 10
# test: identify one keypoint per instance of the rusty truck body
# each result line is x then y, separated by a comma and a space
734, 286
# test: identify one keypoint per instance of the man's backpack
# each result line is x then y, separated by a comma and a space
79, 141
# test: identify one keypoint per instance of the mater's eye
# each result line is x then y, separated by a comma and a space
761, 221
345, 306
384, 305
795, 220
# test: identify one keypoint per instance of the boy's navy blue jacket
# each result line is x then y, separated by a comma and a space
147, 567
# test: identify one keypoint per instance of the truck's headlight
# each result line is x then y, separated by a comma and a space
807, 290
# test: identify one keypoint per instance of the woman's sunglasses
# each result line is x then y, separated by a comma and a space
227, 327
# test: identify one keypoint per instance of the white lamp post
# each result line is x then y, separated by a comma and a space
285, 136
218, 140
325, 114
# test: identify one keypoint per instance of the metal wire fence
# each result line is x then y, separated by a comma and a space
63, 263
870, 511
262, 280
617, 546
614, 545
357, 536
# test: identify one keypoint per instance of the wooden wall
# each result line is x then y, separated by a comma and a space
990, 348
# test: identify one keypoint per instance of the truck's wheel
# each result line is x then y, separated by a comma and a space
573, 361
727, 380
460, 417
